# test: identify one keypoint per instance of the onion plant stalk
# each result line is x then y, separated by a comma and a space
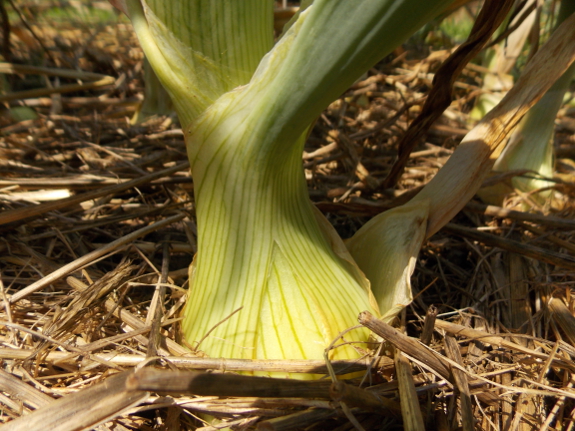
271, 278
500, 61
156, 101
530, 147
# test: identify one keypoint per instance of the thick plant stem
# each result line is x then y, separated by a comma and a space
271, 278
262, 248
500, 60
156, 101
201, 49
530, 146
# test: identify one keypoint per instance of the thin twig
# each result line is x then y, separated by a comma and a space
158, 303
89, 258
428, 325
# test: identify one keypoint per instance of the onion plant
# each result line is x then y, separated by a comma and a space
500, 61
271, 278
156, 101
530, 147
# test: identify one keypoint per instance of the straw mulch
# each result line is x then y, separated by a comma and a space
97, 231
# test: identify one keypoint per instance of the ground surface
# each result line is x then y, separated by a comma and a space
96, 213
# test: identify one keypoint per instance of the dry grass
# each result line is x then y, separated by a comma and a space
97, 231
